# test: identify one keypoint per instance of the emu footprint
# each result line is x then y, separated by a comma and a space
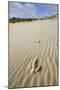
35, 66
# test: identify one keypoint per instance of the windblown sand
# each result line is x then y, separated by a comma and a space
24, 48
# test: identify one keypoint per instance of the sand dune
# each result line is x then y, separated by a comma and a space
24, 49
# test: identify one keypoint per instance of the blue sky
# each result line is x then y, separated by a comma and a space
31, 10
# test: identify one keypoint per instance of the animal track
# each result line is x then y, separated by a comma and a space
35, 66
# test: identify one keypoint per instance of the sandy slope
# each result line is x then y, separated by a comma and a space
23, 49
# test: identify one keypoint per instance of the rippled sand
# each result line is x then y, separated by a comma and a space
23, 49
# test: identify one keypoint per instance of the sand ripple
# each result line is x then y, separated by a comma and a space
20, 64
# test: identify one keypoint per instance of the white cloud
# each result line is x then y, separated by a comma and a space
21, 10
25, 10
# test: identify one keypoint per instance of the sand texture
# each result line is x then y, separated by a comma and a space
33, 53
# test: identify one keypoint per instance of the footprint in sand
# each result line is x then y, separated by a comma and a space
37, 41
35, 67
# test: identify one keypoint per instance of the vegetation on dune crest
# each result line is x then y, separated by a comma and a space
15, 19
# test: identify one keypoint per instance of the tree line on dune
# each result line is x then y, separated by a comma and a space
15, 19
